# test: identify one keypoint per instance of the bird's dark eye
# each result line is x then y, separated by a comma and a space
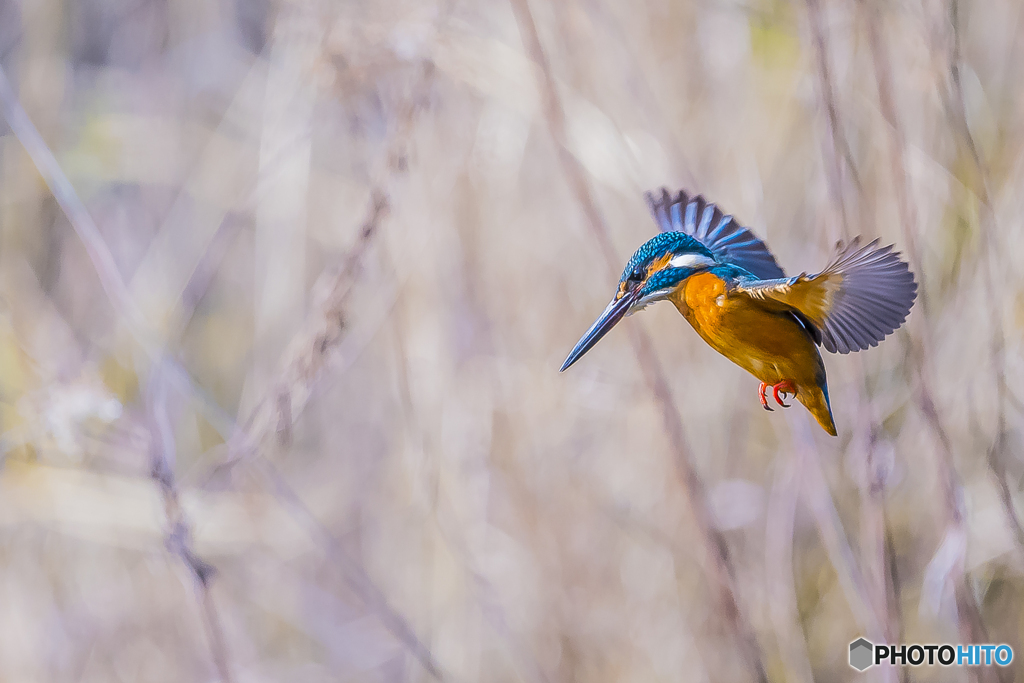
637, 275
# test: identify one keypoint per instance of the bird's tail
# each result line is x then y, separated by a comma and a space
815, 399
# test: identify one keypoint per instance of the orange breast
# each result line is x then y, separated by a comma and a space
769, 345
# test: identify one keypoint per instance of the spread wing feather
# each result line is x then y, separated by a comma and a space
728, 240
863, 295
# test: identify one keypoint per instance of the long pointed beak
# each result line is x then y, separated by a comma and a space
615, 312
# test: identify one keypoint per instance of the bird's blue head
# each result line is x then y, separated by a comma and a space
656, 270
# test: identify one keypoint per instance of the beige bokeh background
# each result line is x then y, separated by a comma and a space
342, 249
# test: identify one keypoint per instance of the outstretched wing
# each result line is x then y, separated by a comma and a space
861, 297
728, 240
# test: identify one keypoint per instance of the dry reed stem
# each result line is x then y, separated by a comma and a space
83, 224
826, 87
354, 573
268, 416
304, 366
715, 549
969, 621
870, 584
309, 353
818, 498
100, 255
780, 520
997, 451
179, 527
453, 541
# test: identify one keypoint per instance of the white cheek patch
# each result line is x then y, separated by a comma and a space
691, 261
648, 300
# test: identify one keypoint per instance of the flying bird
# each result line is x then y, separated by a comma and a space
728, 286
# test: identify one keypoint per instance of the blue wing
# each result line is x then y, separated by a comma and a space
728, 240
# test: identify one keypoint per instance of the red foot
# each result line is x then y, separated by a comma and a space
786, 388
763, 392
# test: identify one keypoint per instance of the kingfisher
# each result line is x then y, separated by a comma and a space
731, 290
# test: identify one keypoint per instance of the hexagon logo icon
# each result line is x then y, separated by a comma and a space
861, 651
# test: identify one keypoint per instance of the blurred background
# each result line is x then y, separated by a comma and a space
284, 290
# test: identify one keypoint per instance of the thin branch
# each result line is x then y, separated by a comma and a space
780, 519
715, 549
325, 334
354, 573
816, 494
272, 418
309, 353
100, 255
451, 539
83, 224
305, 364
997, 451
179, 528
839, 148
866, 587
969, 622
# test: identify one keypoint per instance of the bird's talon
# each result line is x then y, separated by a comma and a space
785, 388
763, 393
